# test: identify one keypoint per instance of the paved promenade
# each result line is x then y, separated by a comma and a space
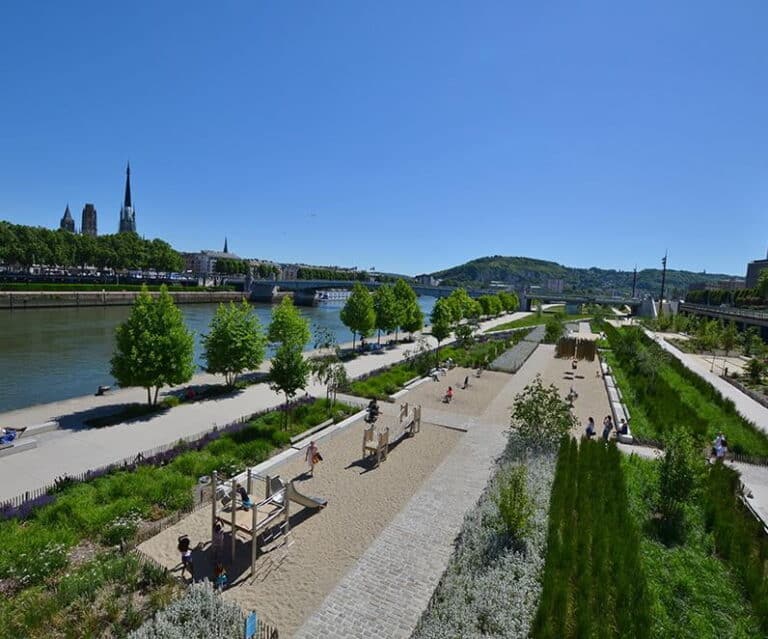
71, 451
386, 592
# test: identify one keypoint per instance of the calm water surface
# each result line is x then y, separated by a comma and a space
52, 354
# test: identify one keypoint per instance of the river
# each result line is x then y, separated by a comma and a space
48, 355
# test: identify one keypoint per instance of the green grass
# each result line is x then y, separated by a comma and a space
675, 395
693, 594
593, 584
535, 320
382, 385
61, 288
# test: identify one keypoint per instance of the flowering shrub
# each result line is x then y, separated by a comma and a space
200, 614
491, 587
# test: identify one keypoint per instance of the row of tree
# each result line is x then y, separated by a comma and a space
388, 309
154, 348
461, 314
312, 273
712, 334
29, 245
227, 266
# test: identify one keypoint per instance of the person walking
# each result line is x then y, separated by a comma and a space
185, 549
607, 427
590, 429
312, 457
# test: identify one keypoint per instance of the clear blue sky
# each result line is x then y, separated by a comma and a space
409, 136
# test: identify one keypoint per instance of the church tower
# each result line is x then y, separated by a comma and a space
127, 214
67, 222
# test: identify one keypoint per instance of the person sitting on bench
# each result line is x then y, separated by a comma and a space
245, 500
7, 435
448, 395
623, 428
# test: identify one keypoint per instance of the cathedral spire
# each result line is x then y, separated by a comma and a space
226, 250
127, 202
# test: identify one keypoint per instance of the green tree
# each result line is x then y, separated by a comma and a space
461, 305
762, 283
442, 320
358, 314
288, 325
509, 301
679, 472
153, 346
413, 318
386, 309
540, 416
728, 337
553, 330
289, 369
516, 509
755, 369
235, 341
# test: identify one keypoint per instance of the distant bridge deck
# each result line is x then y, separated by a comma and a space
317, 285
739, 315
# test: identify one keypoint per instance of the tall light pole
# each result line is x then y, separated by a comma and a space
663, 277
634, 282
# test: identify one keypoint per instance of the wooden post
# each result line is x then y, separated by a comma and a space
250, 483
233, 506
214, 482
286, 503
254, 535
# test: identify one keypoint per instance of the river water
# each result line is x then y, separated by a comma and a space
52, 354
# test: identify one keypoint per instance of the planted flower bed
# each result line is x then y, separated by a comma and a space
42, 542
492, 583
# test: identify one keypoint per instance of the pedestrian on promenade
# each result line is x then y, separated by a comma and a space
466, 382
607, 427
313, 457
590, 430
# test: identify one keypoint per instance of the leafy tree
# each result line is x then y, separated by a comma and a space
537, 306
461, 305
553, 330
288, 325
358, 313
762, 283
386, 309
679, 471
326, 362
755, 369
289, 370
515, 506
153, 346
407, 301
509, 301
441, 319
728, 337
413, 318
235, 341
540, 416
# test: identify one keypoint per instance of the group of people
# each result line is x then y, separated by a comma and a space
608, 426
217, 547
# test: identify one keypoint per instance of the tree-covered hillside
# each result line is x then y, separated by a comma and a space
526, 271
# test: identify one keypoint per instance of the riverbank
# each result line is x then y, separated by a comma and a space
21, 300
73, 450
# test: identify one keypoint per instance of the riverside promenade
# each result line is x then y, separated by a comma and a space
73, 449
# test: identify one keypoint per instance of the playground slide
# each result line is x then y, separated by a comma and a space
305, 500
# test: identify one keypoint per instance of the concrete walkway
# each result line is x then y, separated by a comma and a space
387, 591
73, 451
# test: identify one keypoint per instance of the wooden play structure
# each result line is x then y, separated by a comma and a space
266, 521
577, 346
376, 443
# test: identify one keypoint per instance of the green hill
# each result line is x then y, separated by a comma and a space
526, 271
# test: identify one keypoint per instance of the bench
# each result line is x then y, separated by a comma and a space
17, 447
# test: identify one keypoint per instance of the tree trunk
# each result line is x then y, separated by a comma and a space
397, 331
157, 390
149, 396
378, 338
353, 340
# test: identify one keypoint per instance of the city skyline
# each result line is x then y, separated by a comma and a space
409, 138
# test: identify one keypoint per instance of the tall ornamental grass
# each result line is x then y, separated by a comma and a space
593, 584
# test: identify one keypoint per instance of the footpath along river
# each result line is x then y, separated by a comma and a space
52, 354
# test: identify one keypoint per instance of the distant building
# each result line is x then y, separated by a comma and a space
734, 284
204, 262
127, 213
427, 280
67, 222
556, 286
753, 271
88, 225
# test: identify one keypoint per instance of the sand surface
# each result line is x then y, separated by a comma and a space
291, 582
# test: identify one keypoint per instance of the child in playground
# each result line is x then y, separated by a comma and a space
220, 577
448, 395
313, 456
186, 556
217, 543
245, 499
